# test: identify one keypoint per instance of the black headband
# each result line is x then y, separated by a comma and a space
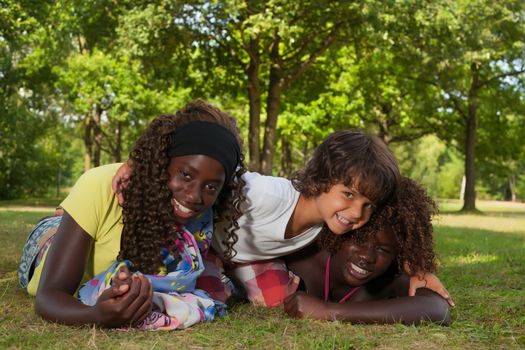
206, 138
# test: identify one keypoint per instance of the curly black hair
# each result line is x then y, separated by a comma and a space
355, 159
409, 218
147, 214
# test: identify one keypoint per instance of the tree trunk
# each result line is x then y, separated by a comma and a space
273, 105
286, 158
305, 153
512, 188
59, 165
254, 98
469, 203
382, 117
97, 135
59, 180
117, 151
88, 143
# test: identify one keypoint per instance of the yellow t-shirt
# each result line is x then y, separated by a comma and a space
92, 204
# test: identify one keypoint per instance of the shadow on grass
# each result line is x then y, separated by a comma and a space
32, 202
461, 239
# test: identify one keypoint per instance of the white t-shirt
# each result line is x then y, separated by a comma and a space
270, 202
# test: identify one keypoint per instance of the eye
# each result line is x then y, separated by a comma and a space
370, 206
384, 250
185, 175
348, 194
212, 189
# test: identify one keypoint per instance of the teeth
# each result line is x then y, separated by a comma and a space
358, 269
181, 207
343, 219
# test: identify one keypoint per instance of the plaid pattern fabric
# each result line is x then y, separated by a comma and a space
211, 279
266, 283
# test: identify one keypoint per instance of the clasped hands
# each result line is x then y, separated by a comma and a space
127, 302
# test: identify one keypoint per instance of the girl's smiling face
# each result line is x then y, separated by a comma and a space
357, 263
195, 182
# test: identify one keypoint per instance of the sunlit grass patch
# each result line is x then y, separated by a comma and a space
488, 207
473, 259
493, 223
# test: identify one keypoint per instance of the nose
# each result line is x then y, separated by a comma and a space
367, 254
194, 193
356, 211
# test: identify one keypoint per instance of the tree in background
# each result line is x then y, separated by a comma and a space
90, 79
501, 146
28, 155
291, 72
429, 161
462, 48
107, 96
271, 44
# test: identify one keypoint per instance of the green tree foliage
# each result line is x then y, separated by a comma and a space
429, 161
463, 48
501, 144
107, 96
25, 158
364, 90
291, 72
90, 78
271, 44
19, 166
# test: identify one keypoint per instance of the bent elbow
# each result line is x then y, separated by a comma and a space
43, 307
444, 318
440, 313
40, 310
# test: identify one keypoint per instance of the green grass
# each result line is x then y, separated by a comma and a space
482, 259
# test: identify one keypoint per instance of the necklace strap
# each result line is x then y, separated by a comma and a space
327, 284
327, 279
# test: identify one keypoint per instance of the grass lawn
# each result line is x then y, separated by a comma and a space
482, 260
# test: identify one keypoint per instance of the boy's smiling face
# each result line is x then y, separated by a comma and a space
343, 208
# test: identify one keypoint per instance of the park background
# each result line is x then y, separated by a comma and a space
441, 82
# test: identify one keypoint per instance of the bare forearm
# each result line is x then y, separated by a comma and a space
123, 304
407, 310
60, 307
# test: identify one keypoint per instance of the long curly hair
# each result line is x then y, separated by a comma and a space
355, 159
147, 213
409, 218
